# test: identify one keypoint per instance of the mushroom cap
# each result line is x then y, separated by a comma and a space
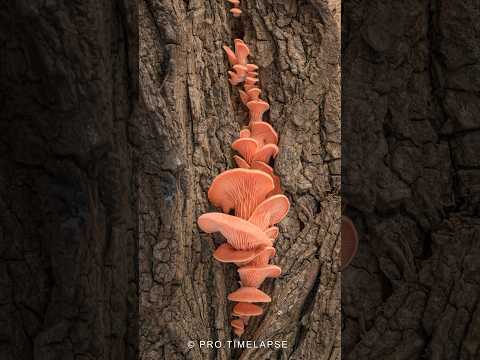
263, 132
240, 162
240, 69
236, 11
249, 294
232, 58
226, 253
260, 165
349, 242
244, 97
240, 234
237, 324
265, 153
256, 107
251, 80
240, 189
270, 211
247, 147
254, 94
272, 233
254, 276
252, 67
241, 49
247, 309
263, 257
244, 133
234, 2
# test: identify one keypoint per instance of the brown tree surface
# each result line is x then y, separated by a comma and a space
68, 223
96, 185
190, 115
410, 125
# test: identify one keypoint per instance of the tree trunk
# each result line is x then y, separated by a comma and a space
411, 179
68, 239
189, 117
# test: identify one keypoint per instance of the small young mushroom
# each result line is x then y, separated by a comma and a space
254, 276
236, 12
241, 190
250, 295
257, 108
349, 243
226, 253
263, 257
247, 147
241, 163
265, 153
263, 132
240, 234
238, 327
270, 211
247, 309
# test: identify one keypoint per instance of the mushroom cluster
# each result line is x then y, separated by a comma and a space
250, 198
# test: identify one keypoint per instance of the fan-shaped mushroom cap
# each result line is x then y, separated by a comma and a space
263, 257
250, 80
240, 189
270, 211
226, 253
266, 153
349, 242
247, 147
272, 233
244, 133
236, 12
249, 294
240, 234
257, 108
254, 94
254, 276
252, 67
232, 58
241, 51
260, 165
263, 132
241, 163
244, 97
234, 2
261, 253
238, 327
241, 70
247, 309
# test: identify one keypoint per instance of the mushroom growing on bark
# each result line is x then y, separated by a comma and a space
248, 196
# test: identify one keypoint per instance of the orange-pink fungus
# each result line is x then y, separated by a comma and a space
254, 276
257, 108
240, 234
249, 196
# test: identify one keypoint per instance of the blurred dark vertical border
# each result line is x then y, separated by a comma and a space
411, 178
68, 282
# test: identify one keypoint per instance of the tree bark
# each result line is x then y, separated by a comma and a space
68, 239
411, 179
188, 120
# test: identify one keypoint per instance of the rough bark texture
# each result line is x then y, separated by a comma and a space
67, 220
190, 116
411, 178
